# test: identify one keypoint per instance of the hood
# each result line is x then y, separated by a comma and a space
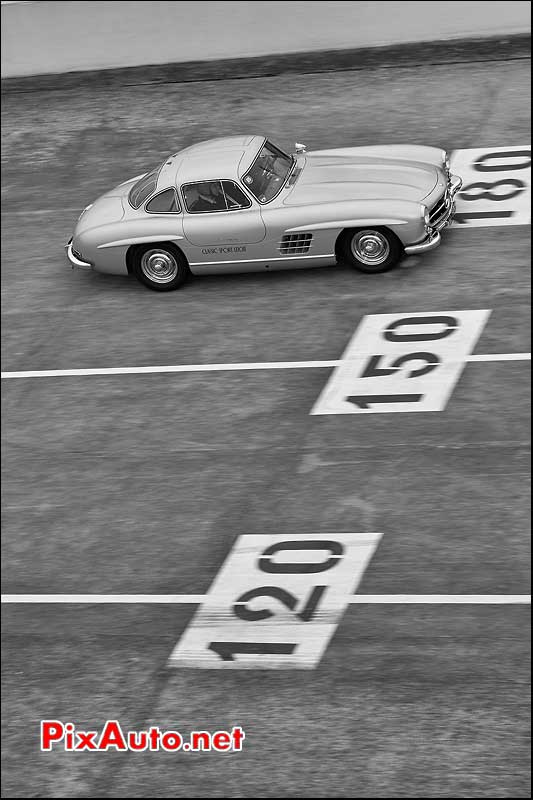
333, 178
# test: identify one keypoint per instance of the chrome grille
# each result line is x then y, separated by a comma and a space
295, 243
440, 210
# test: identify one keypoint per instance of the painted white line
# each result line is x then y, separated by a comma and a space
170, 599
500, 357
195, 599
237, 367
61, 373
476, 599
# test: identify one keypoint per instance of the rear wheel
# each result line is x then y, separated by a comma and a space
371, 250
161, 267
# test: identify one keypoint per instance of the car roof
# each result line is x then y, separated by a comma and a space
225, 157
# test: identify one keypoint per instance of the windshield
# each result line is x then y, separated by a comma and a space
268, 173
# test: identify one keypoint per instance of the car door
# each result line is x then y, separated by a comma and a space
223, 224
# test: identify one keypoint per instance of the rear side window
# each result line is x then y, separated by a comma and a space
142, 190
163, 203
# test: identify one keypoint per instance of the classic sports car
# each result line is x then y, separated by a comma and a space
240, 204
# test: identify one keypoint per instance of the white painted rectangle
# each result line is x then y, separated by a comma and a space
317, 580
437, 363
496, 186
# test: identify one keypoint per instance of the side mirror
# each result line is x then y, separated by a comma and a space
300, 148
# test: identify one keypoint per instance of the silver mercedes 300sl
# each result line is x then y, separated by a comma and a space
240, 204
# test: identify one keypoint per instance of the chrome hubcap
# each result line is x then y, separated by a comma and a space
159, 266
370, 247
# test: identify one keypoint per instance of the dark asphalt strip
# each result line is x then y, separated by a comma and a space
472, 50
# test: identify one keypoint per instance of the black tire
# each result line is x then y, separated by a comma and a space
160, 266
371, 250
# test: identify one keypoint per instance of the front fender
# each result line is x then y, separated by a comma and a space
350, 222
403, 218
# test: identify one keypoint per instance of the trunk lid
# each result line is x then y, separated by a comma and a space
107, 209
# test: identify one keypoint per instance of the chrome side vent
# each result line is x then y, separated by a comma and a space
295, 244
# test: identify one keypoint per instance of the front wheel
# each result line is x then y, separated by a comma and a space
161, 267
371, 250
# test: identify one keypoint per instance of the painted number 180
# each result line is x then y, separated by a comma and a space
491, 178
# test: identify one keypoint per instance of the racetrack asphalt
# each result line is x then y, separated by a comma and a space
141, 483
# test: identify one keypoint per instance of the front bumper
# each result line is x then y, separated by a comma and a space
429, 243
433, 238
74, 260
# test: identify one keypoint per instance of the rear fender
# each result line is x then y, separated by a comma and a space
136, 240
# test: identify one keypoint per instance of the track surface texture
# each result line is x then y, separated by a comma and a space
142, 483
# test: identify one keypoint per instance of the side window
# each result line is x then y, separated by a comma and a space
163, 203
235, 197
204, 196
142, 190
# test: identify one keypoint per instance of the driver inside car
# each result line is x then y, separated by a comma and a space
205, 197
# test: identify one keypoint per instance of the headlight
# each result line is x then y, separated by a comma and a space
425, 214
